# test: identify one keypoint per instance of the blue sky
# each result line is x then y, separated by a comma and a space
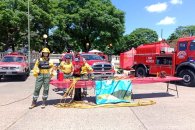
157, 15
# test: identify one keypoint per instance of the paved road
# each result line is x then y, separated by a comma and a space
169, 113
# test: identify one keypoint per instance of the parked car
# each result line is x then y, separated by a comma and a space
14, 64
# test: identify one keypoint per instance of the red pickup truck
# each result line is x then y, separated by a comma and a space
14, 64
101, 67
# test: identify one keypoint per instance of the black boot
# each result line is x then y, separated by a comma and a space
33, 104
84, 92
77, 96
43, 104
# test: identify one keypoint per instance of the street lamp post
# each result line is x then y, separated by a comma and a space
87, 46
110, 52
45, 41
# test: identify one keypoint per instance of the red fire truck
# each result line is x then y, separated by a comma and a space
153, 58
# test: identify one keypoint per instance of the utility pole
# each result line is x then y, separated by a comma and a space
161, 33
29, 55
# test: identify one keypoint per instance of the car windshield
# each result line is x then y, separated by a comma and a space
12, 59
91, 57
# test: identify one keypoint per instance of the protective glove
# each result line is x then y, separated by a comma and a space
51, 75
71, 74
35, 75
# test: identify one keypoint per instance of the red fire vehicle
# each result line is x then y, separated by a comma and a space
101, 67
153, 58
104, 56
14, 64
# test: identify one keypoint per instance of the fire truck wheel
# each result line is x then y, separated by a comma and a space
140, 72
188, 77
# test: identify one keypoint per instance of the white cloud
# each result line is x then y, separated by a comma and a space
159, 7
167, 20
176, 2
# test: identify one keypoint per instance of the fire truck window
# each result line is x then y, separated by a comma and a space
164, 61
182, 46
158, 61
192, 45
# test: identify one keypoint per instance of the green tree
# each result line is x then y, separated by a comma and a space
122, 45
14, 17
68, 23
98, 22
13, 23
182, 31
43, 19
141, 36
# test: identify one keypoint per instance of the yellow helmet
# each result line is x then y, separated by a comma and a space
45, 50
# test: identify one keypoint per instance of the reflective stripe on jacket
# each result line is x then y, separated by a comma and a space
43, 69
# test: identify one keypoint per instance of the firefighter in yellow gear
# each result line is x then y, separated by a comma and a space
43, 71
67, 67
86, 69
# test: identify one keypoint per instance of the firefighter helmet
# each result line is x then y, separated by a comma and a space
45, 50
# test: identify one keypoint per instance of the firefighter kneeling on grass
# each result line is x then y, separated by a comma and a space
43, 71
85, 71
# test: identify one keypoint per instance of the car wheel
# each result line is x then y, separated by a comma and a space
140, 72
188, 78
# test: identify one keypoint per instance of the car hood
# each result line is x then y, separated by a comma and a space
92, 62
14, 64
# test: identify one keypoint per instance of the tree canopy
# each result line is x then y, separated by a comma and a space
75, 24
141, 36
97, 23
13, 22
68, 23
182, 31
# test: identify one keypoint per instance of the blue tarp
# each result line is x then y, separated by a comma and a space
113, 91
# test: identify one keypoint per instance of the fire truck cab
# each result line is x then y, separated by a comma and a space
153, 58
